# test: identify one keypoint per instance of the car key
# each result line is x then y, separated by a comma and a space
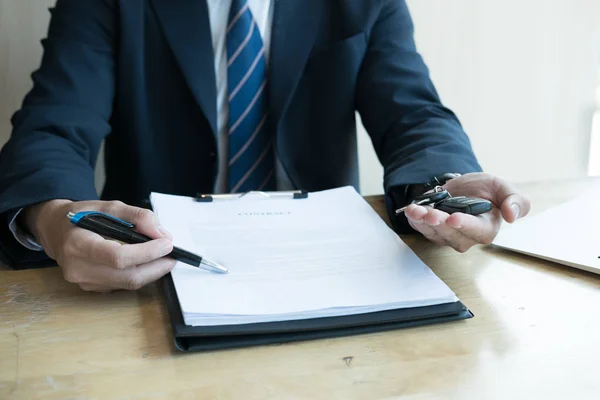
427, 199
465, 205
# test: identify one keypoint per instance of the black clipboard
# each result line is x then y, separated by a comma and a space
205, 338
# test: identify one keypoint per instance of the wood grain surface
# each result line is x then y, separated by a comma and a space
535, 335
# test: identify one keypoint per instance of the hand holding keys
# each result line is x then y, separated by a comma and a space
441, 199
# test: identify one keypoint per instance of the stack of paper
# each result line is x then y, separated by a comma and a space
327, 255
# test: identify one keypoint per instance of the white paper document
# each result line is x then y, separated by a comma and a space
568, 234
327, 255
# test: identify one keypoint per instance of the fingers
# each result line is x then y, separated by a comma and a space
443, 229
427, 215
514, 207
415, 215
478, 229
145, 221
455, 238
428, 232
100, 265
88, 287
103, 279
135, 278
511, 202
120, 256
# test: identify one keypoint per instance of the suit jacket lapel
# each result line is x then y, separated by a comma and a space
295, 26
187, 30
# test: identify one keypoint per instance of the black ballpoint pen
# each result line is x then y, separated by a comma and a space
115, 228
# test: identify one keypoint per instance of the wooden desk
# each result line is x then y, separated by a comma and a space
535, 335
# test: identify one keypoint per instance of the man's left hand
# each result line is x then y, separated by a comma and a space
463, 231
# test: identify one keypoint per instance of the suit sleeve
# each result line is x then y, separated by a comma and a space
58, 131
414, 135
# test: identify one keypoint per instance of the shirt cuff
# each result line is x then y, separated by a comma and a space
21, 236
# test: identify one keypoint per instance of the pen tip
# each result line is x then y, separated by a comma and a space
214, 266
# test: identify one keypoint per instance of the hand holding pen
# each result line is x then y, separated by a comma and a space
93, 262
124, 231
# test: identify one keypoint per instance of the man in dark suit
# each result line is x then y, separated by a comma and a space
224, 96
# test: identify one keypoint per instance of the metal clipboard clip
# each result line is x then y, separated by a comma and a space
292, 194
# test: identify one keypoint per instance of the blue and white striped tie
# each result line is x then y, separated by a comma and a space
251, 154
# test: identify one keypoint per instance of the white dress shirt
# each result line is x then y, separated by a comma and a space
218, 11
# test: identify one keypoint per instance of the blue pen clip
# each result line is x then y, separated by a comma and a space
75, 218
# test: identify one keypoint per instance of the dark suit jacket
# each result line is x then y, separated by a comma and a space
140, 74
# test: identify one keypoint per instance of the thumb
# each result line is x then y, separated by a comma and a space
513, 204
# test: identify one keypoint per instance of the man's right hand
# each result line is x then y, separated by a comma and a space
98, 264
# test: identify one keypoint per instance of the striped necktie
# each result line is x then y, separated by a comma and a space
251, 153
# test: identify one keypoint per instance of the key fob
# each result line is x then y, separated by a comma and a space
431, 198
465, 205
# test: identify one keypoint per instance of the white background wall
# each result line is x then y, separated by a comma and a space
22, 24
520, 74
